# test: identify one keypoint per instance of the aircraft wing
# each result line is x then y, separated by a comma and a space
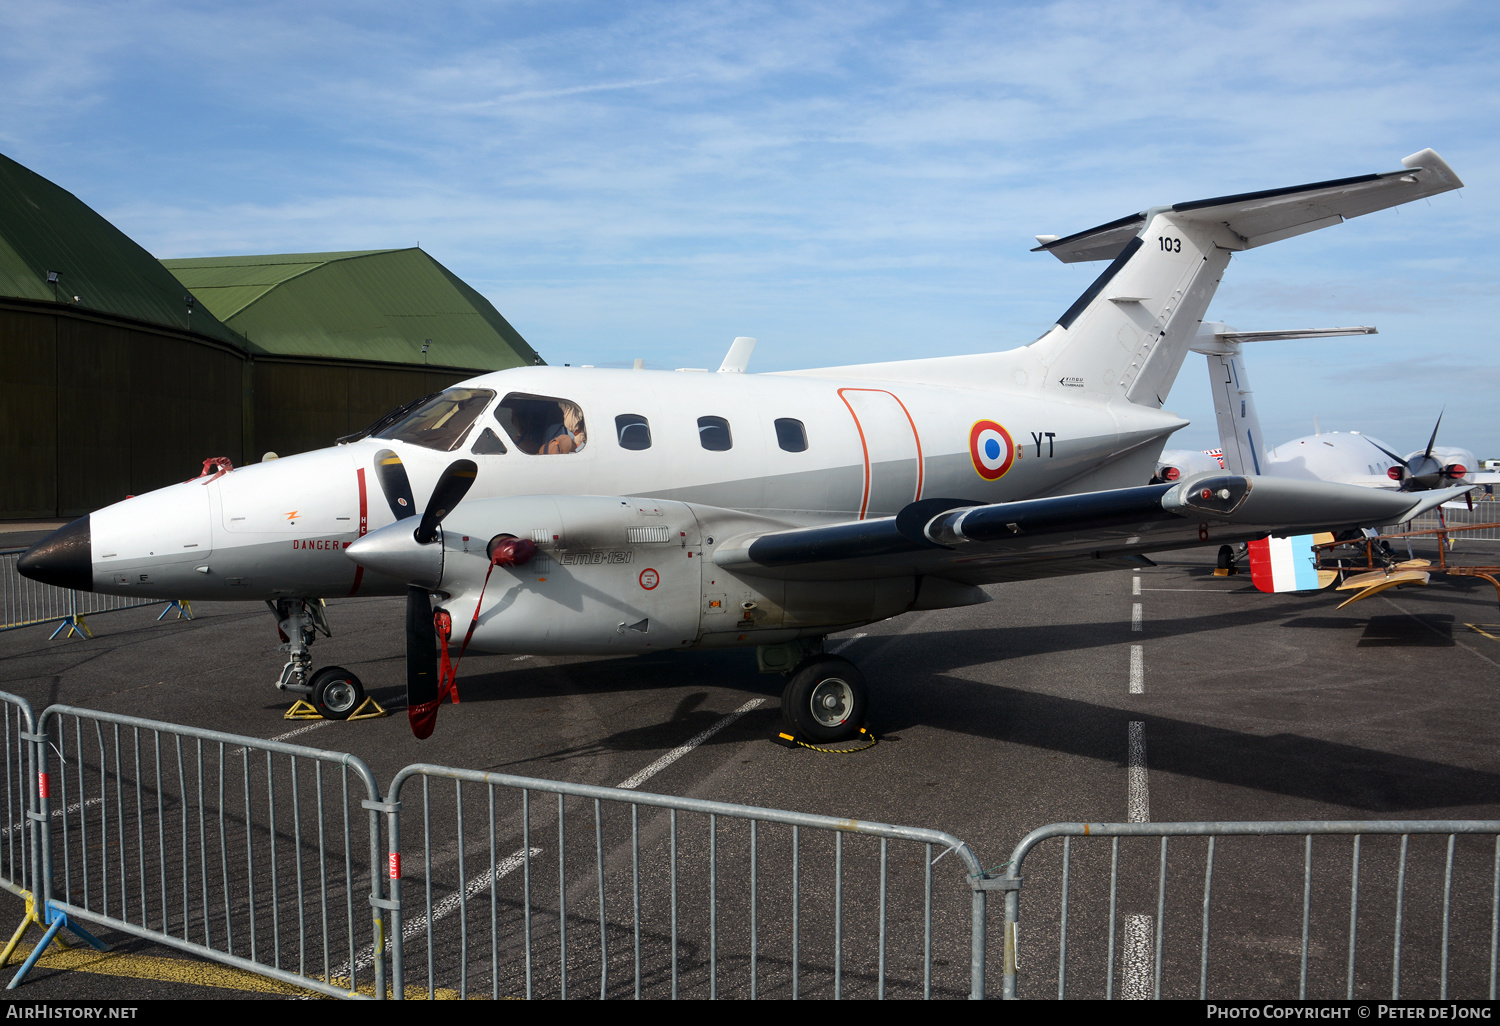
1269, 216
1066, 534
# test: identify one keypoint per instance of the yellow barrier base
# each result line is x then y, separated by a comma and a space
28, 918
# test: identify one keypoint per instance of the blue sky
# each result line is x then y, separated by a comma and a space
846, 182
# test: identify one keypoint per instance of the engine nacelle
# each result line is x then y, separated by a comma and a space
622, 575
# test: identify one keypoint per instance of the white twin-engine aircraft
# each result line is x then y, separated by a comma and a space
1347, 457
571, 510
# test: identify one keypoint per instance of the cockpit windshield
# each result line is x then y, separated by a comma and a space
442, 422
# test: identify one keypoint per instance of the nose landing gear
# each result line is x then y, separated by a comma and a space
335, 693
298, 622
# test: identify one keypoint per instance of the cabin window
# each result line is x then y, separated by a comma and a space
791, 435
488, 444
713, 434
443, 421
542, 425
633, 431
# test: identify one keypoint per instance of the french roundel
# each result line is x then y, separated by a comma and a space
992, 449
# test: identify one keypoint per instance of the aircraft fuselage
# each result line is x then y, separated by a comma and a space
278, 528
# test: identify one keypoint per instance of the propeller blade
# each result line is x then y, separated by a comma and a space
1404, 482
452, 485
1433, 440
394, 483
1399, 459
422, 698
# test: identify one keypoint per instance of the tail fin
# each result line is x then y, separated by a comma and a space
1128, 334
1234, 403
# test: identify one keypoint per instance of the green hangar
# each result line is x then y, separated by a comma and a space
122, 373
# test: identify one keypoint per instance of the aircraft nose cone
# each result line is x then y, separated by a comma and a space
65, 558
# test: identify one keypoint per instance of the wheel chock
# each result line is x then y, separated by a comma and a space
369, 709
302, 709
866, 740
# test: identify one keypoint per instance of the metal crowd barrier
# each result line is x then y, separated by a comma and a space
269, 857
247, 852
25, 603
18, 847
1486, 510
1153, 921
519, 887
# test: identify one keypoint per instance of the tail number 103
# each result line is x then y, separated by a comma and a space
1169, 245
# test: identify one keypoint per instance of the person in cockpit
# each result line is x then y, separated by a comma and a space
569, 436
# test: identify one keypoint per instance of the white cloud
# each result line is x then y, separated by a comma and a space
854, 179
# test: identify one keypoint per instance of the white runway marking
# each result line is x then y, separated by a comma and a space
1205, 591
418, 924
301, 730
1139, 955
1139, 958
450, 904
76, 806
510, 864
290, 733
1138, 797
836, 649
1135, 586
677, 753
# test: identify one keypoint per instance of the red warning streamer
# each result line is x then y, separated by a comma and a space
506, 551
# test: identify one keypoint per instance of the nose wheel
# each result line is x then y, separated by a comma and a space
825, 700
336, 692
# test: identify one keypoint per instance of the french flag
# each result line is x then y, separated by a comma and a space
1284, 564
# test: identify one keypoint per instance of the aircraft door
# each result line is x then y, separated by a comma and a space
891, 448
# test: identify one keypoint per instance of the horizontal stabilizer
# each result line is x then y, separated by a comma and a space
1215, 341
1258, 218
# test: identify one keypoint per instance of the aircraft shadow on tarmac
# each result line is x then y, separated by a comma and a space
941, 650
1294, 765
927, 694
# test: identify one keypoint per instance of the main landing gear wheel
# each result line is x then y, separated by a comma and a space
336, 692
825, 700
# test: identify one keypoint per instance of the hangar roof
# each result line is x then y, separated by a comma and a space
379, 304
43, 228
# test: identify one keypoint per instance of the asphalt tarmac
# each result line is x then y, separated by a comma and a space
1160, 694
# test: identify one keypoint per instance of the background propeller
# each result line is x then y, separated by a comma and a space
422, 695
1425, 472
